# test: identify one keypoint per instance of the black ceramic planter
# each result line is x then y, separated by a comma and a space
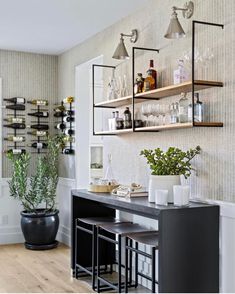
40, 229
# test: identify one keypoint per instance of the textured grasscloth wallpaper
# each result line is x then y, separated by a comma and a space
216, 165
30, 76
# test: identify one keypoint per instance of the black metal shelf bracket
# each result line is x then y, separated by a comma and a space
194, 23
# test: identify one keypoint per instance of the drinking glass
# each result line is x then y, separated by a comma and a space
146, 111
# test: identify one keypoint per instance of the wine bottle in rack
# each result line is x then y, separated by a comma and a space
69, 132
38, 145
59, 114
69, 112
15, 139
15, 107
17, 100
68, 139
41, 102
60, 126
39, 127
17, 120
39, 114
16, 126
60, 108
38, 133
68, 151
69, 99
68, 119
15, 151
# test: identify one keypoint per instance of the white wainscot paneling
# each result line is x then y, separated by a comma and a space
10, 231
64, 204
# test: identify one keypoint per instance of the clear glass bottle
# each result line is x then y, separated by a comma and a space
183, 108
180, 74
174, 113
199, 110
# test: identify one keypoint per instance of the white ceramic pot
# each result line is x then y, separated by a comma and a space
162, 183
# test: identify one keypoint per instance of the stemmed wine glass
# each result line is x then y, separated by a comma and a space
146, 111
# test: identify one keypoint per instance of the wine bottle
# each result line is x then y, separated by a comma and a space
69, 112
38, 145
15, 151
15, 139
39, 127
68, 139
69, 99
59, 114
68, 119
68, 151
15, 126
38, 133
60, 108
39, 114
41, 102
15, 107
69, 132
18, 120
61, 126
17, 100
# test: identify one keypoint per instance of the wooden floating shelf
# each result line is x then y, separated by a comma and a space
161, 93
162, 128
116, 132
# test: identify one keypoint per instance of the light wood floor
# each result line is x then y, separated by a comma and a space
26, 271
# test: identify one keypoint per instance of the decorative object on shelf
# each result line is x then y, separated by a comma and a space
121, 52
139, 84
175, 30
39, 220
113, 91
132, 191
167, 167
183, 108
180, 74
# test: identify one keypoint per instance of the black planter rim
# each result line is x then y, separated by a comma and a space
40, 213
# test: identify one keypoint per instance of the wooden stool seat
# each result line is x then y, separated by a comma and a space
148, 238
124, 229
98, 221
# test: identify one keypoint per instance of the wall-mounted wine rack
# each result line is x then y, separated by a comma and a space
62, 126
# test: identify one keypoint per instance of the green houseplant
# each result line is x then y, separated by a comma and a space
39, 219
167, 167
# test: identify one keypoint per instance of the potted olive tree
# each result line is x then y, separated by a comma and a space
39, 218
167, 167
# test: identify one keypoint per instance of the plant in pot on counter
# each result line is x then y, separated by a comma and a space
39, 219
167, 167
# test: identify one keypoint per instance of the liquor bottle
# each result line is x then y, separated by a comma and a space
39, 114
18, 120
68, 119
183, 108
153, 73
59, 114
15, 151
127, 119
69, 132
68, 139
39, 127
15, 107
41, 102
69, 99
38, 145
180, 74
15, 139
15, 126
149, 82
139, 84
17, 100
60, 108
68, 151
199, 110
61, 126
38, 133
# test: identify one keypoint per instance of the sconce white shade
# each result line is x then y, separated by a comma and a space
175, 30
121, 52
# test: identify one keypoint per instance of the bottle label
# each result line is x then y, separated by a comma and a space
17, 120
44, 113
16, 151
40, 133
39, 145
18, 139
20, 100
41, 102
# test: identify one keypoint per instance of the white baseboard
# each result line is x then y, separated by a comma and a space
11, 235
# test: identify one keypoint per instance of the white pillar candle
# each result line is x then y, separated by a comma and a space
161, 197
181, 195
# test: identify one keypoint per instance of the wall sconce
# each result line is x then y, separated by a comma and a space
121, 52
175, 30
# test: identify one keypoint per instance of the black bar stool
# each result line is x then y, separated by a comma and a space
89, 225
120, 230
146, 238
